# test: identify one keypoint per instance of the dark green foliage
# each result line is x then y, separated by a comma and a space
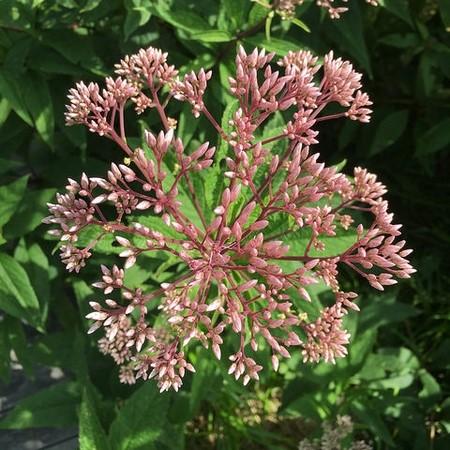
394, 383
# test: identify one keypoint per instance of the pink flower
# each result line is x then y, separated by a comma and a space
236, 268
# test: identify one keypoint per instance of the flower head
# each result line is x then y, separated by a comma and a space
244, 262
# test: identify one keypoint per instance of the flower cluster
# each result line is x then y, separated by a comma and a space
286, 8
238, 264
335, 436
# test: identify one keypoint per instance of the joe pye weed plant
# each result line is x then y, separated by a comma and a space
228, 218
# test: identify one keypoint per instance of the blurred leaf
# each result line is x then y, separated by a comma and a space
385, 310
431, 391
39, 103
426, 76
137, 16
212, 36
91, 433
5, 109
89, 5
301, 24
349, 34
140, 420
18, 342
401, 40
257, 15
35, 262
184, 20
53, 407
10, 197
280, 46
17, 14
76, 48
371, 417
205, 381
187, 124
434, 139
398, 7
29, 214
7, 164
11, 90
17, 296
444, 8
236, 10
5, 351
389, 130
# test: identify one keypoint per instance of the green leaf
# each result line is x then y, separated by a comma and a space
431, 391
385, 310
16, 14
434, 139
137, 16
257, 15
39, 103
400, 8
29, 214
389, 130
141, 419
187, 124
17, 296
334, 245
18, 342
7, 164
53, 407
5, 352
10, 197
35, 262
370, 416
184, 20
91, 433
236, 10
212, 36
213, 179
301, 24
280, 46
5, 109
349, 34
444, 8
11, 90
401, 40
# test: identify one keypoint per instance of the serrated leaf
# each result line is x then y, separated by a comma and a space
53, 407
17, 296
140, 420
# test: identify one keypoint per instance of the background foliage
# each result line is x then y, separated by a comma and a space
395, 382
